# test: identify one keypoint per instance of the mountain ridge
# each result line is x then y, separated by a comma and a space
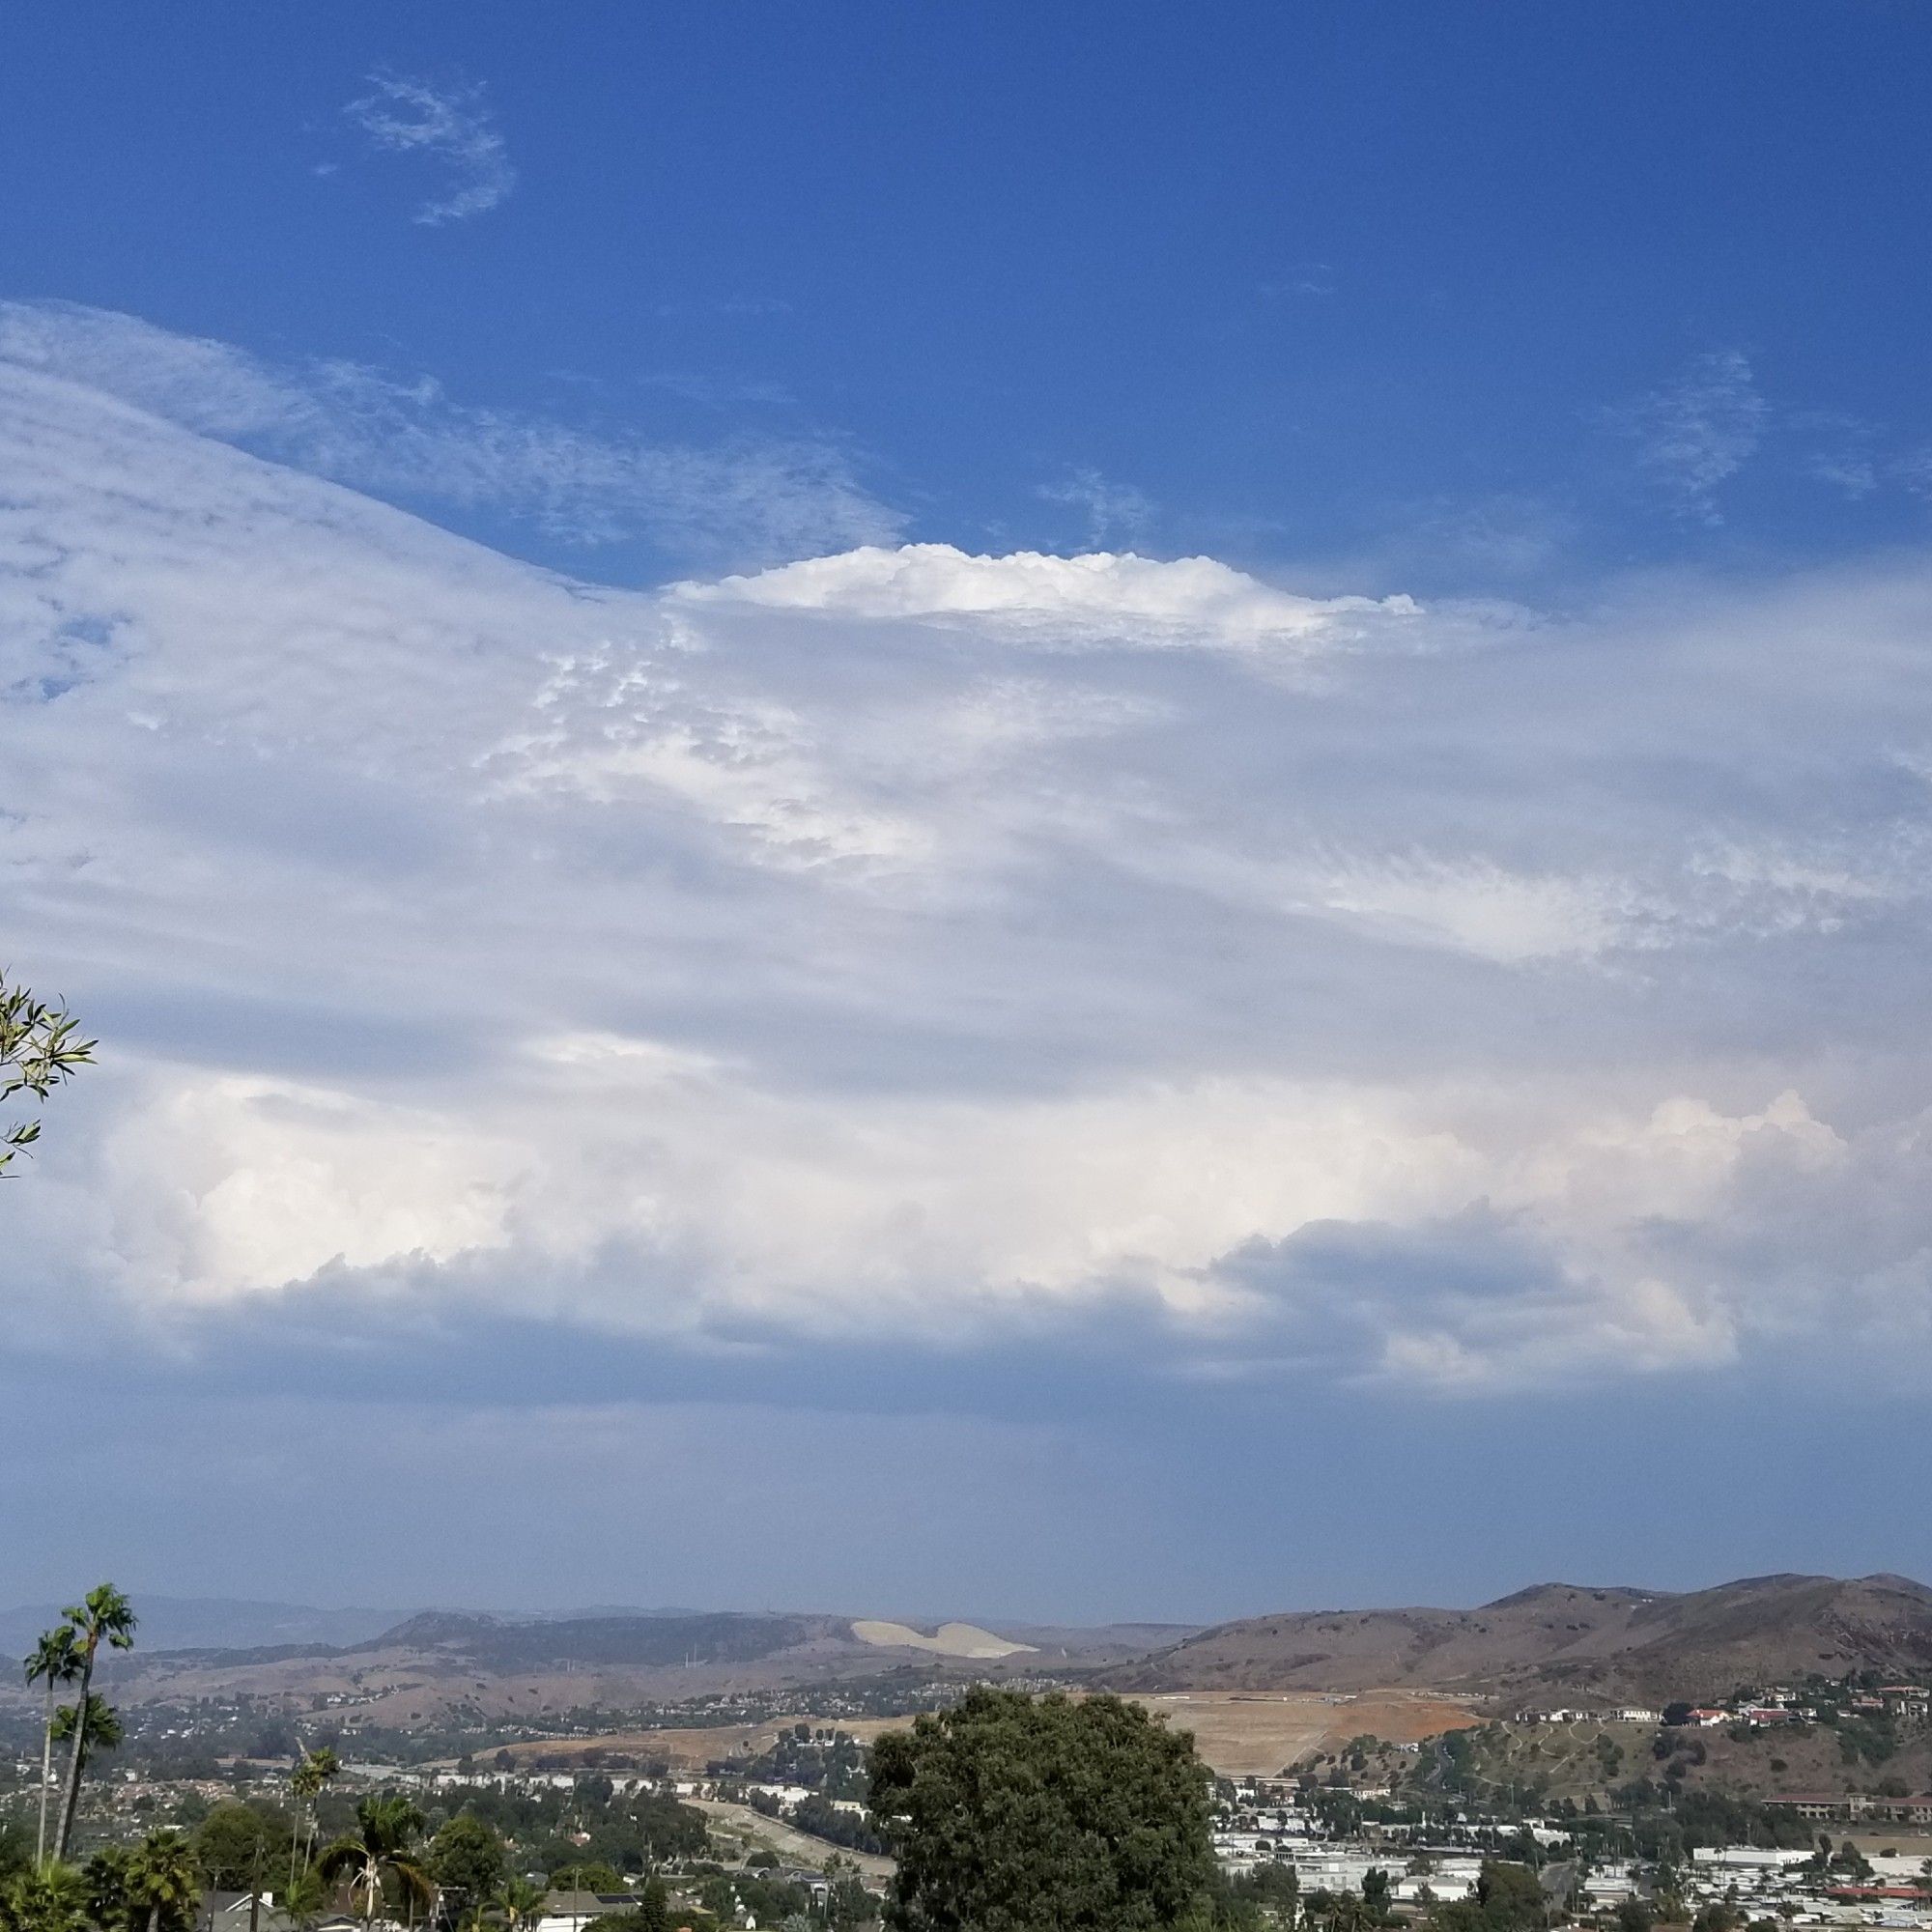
1548, 1644
1608, 1641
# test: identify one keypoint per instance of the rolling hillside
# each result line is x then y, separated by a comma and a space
442, 1664
1560, 1638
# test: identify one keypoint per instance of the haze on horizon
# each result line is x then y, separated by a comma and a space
943, 813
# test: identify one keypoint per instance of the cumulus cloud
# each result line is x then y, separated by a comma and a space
453, 126
909, 948
1098, 598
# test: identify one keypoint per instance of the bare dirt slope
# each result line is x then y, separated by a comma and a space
947, 1640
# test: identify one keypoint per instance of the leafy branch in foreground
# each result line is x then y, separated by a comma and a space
40, 1046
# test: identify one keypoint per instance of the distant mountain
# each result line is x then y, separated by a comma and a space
637, 1640
1645, 1646
1556, 1643
215, 1622
440, 1665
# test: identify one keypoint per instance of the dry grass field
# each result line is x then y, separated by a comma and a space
1263, 1732
1234, 1731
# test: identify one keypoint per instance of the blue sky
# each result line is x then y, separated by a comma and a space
1097, 812
1313, 283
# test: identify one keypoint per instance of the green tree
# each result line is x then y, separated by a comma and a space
40, 1047
1347, 1912
235, 1844
1042, 1815
378, 1857
103, 1616
163, 1882
1854, 1862
467, 1860
1275, 1887
55, 1661
1509, 1898
586, 1875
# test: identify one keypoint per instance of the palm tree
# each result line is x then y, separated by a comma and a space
306, 1898
106, 1877
103, 1616
305, 1784
101, 1731
378, 1851
51, 1899
55, 1661
520, 1902
163, 1877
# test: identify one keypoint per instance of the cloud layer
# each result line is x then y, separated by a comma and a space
903, 948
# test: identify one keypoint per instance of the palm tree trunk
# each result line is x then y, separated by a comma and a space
47, 1775
155, 1917
71, 1802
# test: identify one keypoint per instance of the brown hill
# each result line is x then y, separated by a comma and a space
1642, 1646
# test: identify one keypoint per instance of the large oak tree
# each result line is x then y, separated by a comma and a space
1012, 1813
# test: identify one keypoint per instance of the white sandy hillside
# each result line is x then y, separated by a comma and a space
949, 1639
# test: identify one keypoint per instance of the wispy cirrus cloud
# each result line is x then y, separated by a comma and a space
1694, 433
453, 126
1302, 279
1114, 512
745, 499
1699, 433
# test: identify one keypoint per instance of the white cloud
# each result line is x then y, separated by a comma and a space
453, 126
1100, 598
361, 427
908, 944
